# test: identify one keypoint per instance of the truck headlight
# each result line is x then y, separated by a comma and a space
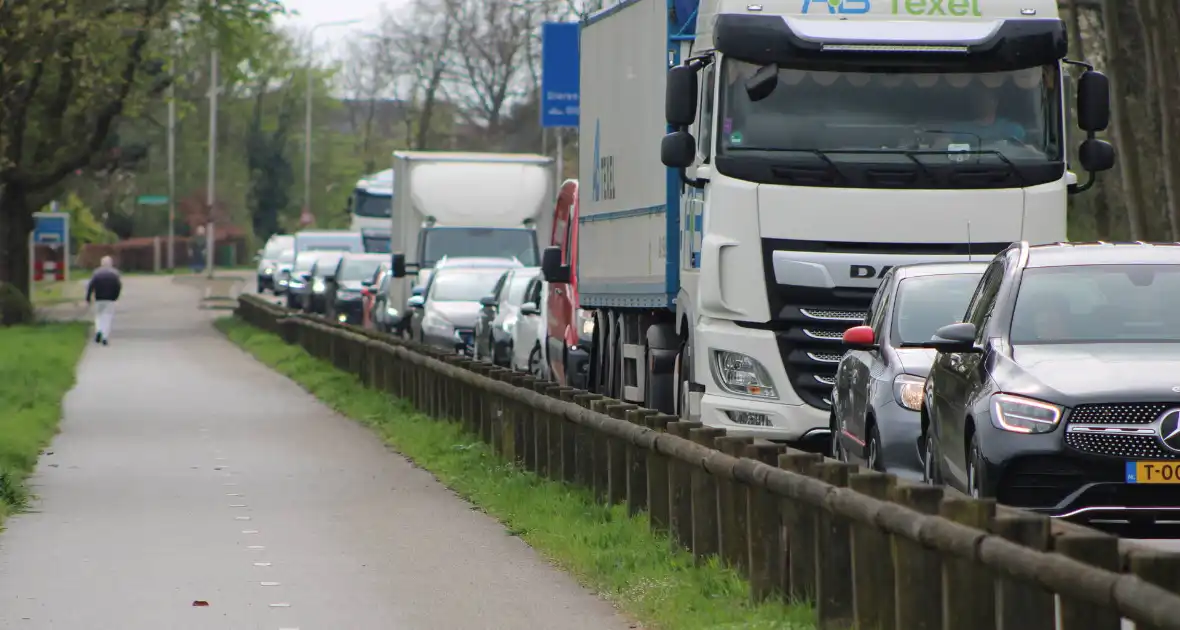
268, 271
318, 285
1024, 415
907, 391
392, 312
737, 373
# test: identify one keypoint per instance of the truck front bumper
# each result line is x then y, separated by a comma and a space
786, 418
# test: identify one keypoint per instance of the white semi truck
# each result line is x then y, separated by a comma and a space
466, 205
750, 171
371, 206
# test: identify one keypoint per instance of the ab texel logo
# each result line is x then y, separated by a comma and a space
839, 6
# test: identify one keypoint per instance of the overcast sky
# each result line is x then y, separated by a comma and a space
312, 12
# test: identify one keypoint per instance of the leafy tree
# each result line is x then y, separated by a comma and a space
69, 70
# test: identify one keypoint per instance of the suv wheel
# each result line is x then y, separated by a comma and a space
929, 457
975, 469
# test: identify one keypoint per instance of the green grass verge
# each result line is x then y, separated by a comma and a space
37, 366
615, 554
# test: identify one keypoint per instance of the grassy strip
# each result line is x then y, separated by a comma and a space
607, 550
37, 366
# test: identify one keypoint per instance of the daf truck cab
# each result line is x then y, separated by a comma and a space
371, 203
754, 170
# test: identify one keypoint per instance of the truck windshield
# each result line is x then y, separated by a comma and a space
1012, 115
517, 243
367, 204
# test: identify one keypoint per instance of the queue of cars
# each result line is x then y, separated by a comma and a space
1045, 378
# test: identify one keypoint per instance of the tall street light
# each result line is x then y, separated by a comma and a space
307, 124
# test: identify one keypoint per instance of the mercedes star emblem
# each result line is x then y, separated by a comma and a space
1169, 427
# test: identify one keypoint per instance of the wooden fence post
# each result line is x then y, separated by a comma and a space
968, 588
1020, 605
731, 509
658, 484
637, 466
616, 458
834, 604
1154, 566
765, 528
1095, 549
872, 560
917, 571
680, 489
582, 442
799, 519
705, 527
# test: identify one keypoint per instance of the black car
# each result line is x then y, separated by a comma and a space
314, 298
344, 296
878, 392
1060, 390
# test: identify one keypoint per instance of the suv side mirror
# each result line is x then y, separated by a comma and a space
1093, 101
488, 301
953, 338
860, 338
416, 301
552, 267
680, 96
529, 308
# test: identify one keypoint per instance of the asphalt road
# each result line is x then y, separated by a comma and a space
187, 472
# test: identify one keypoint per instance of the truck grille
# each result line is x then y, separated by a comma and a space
810, 341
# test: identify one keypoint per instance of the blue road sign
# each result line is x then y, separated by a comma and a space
559, 74
51, 228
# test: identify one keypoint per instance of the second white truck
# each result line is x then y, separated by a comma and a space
488, 205
751, 170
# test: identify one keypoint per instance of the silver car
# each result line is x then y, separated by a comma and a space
446, 312
268, 260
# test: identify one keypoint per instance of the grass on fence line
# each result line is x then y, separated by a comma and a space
607, 550
37, 365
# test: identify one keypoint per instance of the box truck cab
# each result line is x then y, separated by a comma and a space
449, 205
569, 328
371, 203
752, 170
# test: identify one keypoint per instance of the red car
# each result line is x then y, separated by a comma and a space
569, 330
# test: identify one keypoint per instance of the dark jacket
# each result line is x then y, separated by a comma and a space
105, 285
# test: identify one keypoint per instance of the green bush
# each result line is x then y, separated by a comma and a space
15, 307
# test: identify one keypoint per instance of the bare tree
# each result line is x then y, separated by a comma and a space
416, 51
367, 76
496, 54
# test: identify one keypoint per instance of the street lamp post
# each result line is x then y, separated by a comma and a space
307, 122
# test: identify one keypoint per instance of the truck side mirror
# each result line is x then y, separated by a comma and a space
1096, 155
1093, 101
552, 268
680, 96
678, 150
397, 266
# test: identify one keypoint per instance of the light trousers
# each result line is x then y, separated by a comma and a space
104, 315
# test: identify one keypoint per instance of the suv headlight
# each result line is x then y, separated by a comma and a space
907, 391
737, 373
438, 326
1024, 415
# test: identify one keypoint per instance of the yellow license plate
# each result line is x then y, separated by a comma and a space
1153, 472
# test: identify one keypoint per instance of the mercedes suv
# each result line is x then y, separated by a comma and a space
1060, 389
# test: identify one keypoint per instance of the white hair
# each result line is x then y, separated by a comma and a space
106, 261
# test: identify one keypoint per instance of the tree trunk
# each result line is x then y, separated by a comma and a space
16, 222
1150, 23
1121, 130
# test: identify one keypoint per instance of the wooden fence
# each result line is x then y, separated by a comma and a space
865, 549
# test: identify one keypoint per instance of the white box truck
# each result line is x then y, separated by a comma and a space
750, 171
371, 207
487, 205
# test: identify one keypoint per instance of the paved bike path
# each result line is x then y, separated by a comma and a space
186, 471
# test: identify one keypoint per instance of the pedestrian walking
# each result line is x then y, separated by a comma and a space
104, 288
196, 250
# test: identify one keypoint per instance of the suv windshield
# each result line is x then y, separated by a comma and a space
356, 270
326, 265
466, 285
369, 205
287, 257
927, 303
304, 262
1098, 304
480, 242
850, 115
